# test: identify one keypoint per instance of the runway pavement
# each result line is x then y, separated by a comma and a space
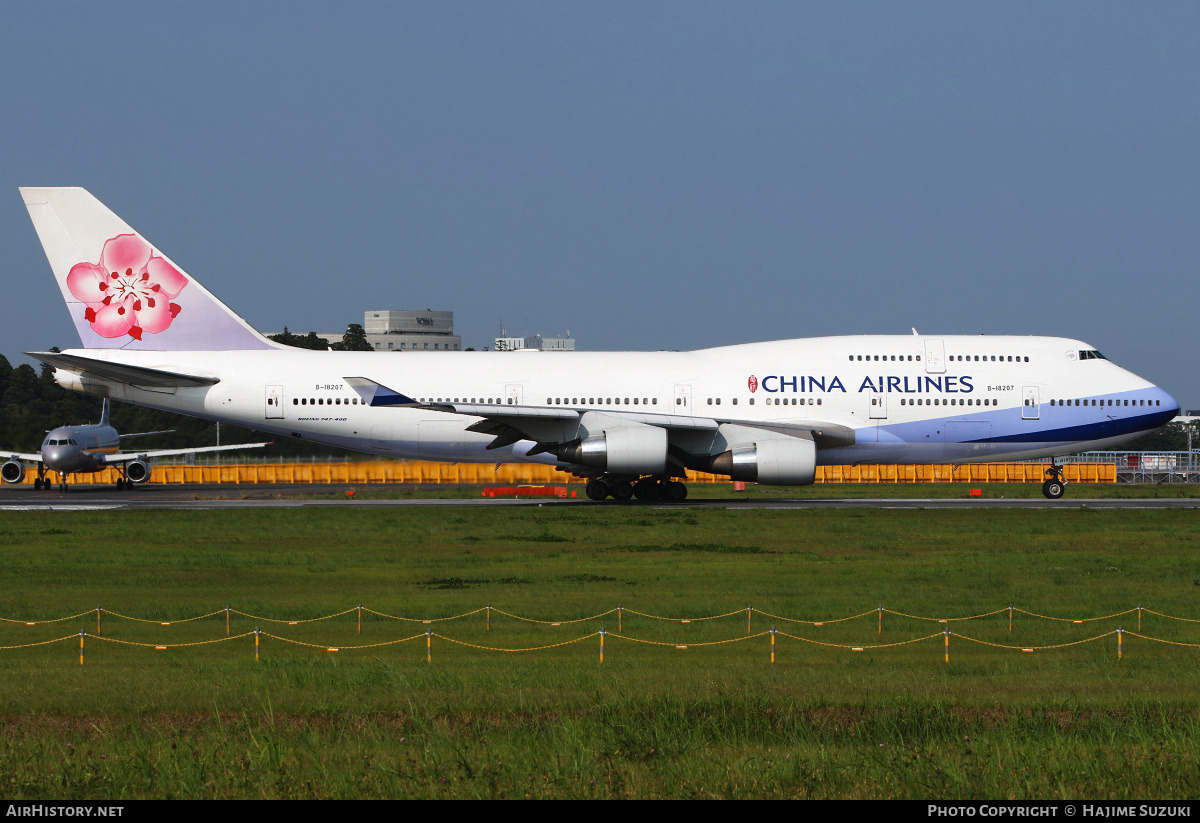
266, 496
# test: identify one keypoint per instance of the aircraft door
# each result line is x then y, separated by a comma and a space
274, 407
381, 438
683, 399
935, 356
513, 394
878, 406
1030, 410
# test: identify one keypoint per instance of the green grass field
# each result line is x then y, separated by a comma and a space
652, 720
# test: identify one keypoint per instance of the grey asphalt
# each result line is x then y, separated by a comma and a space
191, 497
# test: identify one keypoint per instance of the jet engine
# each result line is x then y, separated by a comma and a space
12, 472
622, 450
788, 461
137, 471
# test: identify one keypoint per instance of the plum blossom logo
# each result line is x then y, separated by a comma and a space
129, 291
753, 384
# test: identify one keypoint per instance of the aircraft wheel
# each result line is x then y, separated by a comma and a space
37, 484
120, 484
676, 491
623, 491
647, 489
596, 490
1053, 489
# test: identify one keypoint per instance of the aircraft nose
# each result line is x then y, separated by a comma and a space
1170, 403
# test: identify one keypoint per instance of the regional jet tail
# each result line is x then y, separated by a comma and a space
631, 423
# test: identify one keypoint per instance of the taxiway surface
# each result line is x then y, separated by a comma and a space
290, 496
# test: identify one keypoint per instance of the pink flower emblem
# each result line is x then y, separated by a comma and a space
130, 291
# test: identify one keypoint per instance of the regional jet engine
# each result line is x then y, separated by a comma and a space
137, 471
622, 450
790, 461
12, 472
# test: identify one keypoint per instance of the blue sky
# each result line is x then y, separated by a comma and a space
648, 175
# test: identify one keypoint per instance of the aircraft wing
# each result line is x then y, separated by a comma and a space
121, 372
125, 457
24, 458
507, 422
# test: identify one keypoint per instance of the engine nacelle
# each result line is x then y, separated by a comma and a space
635, 449
137, 471
12, 472
774, 462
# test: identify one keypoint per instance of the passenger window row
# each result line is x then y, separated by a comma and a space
322, 401
887, 357
488, 401
976, 358
599, 401
948, 401
1092, 401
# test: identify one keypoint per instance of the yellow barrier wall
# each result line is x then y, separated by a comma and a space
419, 471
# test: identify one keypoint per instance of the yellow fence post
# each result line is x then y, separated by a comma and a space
620, 614
489, 617
82, 634
429, 645
226, 621
256, 634
601, 644
98, 632
881, 618
772, 645
946, 631
360, 618
1120, 636
749, 619
1010, 616
1139, 618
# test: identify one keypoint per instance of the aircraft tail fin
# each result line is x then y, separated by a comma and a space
104, 413
122, 292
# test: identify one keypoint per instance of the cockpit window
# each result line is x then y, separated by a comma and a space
1091, 355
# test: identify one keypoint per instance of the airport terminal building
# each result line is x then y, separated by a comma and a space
408, 330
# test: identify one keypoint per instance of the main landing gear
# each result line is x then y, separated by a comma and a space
646, 488
1055, 486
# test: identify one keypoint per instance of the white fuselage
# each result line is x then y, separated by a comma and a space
909, 399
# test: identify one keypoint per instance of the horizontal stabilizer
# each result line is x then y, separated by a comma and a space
376, 394
121, 372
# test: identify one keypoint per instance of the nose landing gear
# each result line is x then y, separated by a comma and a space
1055, 486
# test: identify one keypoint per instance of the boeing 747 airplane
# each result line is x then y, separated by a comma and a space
629, 422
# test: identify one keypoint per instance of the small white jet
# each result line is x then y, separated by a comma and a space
632, 423
93, 448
